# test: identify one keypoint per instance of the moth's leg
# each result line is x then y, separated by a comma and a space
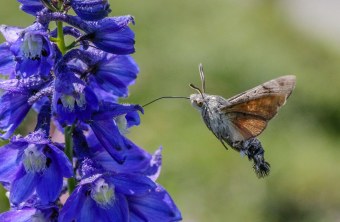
225, 146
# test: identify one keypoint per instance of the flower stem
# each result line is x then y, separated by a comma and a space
61, 38
68, 130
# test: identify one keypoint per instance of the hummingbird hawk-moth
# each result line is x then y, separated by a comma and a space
237, 121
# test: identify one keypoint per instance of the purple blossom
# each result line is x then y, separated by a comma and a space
76, 86
33, 164
118, 197
33, 52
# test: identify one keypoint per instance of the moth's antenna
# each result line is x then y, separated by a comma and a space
197, 89
200, 68
166, 97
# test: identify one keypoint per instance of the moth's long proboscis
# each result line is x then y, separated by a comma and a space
166, 97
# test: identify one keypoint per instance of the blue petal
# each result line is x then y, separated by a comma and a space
13, 109
132, 184
109, 110
118, 213
155, 206
115, 73
23, 186
91, 9
8, 162
31, 6
51, 181
7, 63
110, 138
73, 205
113, 35
64, 164
136, 160
24, 215
88, 212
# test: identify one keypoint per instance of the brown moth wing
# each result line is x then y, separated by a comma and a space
251, 110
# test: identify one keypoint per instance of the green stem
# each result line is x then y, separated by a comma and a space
68, 130
61, 38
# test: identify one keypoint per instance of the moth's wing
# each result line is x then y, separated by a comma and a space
250, 111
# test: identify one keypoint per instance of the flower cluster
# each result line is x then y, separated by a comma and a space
74, 88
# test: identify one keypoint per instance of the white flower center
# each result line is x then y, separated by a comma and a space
34, 160
32, 46
103, 193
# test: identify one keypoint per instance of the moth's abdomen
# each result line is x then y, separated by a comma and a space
255, 152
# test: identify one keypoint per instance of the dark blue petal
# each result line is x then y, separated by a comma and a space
13, 109
113, 35
72, 208
109, 110
23, 186
91, 9
51, 181
118, 213
64, 164
136, 161
8, 162
153, 207
132, 119
23, 215
7, 63
88, 212
31, 6
110, 138
115, 73
132, 184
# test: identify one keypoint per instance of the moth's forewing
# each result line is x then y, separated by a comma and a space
250, 111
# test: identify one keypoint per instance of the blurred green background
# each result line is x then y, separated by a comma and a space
241, 44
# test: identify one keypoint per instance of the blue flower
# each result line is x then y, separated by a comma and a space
72, 99
34, 53
33, 164
117, 197
91, 9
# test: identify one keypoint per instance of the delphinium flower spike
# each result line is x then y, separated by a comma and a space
75, 88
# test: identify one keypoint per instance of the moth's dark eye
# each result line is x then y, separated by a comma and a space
199, 103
